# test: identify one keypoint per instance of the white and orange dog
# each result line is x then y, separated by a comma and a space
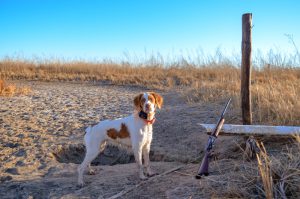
134, 131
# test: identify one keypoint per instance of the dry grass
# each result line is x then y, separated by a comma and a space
263, 163
153, 76
2, 86
7, 89
271, 176
275, 93
280, 176
275, 90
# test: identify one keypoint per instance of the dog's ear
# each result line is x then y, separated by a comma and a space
158, 99
137, 101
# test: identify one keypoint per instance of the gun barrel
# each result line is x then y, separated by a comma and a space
227, 104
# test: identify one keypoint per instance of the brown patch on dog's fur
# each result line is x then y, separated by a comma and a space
137, 101
123, 133
151, 98
112, 133
158, 99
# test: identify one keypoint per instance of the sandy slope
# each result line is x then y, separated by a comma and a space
41, 143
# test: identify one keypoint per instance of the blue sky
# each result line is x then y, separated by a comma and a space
100, 29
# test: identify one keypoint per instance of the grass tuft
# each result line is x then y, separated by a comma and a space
11, 89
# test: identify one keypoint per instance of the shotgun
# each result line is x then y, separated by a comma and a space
203, 170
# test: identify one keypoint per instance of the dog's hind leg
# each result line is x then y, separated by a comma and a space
92, 171
92, 150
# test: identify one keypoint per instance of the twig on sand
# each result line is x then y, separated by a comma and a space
184, 174
144, 182
217, 181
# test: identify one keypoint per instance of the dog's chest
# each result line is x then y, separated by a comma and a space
146, 134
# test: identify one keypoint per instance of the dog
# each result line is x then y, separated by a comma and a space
131, 132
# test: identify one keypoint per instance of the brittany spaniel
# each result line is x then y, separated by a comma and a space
133, 131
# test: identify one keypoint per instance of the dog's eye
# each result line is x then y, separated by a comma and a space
143, 100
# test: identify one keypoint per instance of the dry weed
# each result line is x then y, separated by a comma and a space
271, 176
287, 170
275, 94
263, 163
1, 85
12, 89
280, 175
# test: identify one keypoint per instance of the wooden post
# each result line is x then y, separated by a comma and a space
246, 68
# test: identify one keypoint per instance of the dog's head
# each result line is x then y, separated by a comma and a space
148, 102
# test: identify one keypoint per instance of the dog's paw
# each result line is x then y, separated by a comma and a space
92, 172
142, 177
151, 174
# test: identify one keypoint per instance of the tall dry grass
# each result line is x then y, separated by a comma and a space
154, 76
275, 90
264, 168
275, 93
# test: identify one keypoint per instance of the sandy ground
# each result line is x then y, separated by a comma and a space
41, 143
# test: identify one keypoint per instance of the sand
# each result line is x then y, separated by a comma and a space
41, 143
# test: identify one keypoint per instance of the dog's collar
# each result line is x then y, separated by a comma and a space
144, 116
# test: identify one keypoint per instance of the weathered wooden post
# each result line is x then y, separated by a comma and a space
246, 68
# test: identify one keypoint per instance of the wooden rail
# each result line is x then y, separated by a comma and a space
254, 129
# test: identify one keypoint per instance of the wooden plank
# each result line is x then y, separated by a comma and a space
254, 129
246, 68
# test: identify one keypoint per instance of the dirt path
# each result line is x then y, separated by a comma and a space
41, 143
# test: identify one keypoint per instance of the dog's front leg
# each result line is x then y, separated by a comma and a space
146, 151
138, 158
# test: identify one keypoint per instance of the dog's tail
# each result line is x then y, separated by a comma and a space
86, 132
